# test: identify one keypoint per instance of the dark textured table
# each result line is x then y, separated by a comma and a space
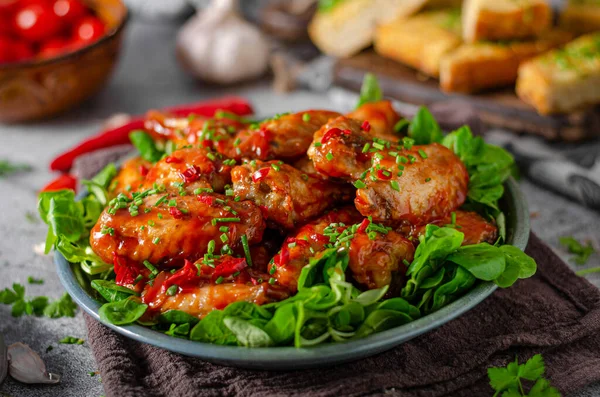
148, 76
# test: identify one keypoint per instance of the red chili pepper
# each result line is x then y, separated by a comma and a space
187, 274
206, 199
334, 132
363, 225
229, 266
264, 210
381, 174
175, 212
65, 181
143, 170
120, 135
172, 159
260, 174
125, 270
283, 257
190, 175
366, 126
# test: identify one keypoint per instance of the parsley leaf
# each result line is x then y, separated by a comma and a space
508, 381
32, 280
63, 307
582, 252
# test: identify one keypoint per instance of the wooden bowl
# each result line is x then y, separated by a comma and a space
40, 88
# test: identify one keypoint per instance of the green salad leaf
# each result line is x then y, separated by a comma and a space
122, 312
424, 129
146, 146
370, 90
112, 292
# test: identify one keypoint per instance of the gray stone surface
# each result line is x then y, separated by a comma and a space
147, 77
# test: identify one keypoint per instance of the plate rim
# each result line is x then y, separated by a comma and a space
284, 358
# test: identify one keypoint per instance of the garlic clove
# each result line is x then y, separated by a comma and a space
26, 366
3, 360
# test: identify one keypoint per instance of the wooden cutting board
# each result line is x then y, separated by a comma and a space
499, 108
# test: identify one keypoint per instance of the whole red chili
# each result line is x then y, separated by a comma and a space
260, 174
65, 181
120, 135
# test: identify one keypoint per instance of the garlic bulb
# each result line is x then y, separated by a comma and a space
217, 45
3, 360
26, 366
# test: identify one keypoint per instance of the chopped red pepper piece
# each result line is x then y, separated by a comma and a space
206, 199
191, 174
363, 225
186, 275
383, 174
143, 170
334, 132
229, 266
65, 181
172, 160
120, 135
175, 212
125, 270
366, 126
260, 174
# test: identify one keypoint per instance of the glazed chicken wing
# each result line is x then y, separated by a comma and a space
380, 260
380, 117
475, 227
214, 287
190, 169
130, 177
302, 245
168, 227
415, 186
213, 132
285, 137
340, 149
286, 195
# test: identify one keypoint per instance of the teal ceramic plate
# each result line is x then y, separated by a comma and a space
283, 358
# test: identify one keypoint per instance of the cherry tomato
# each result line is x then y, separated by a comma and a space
36, 22
54, 47
88, 29
6, 50
22, 51
68, 10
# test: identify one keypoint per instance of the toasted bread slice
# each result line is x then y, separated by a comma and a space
504, 19
581, 16
349, 26
475, 67
421, 40
565, 79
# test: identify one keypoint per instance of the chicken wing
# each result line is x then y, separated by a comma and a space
212, 288
286, 195
416, 185
191, 168
165, 226
212, 132
284, 137
130, 177
380, 117
302, 245
380, 260
340, 149
475, 228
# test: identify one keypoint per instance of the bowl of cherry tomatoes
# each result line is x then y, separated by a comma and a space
54, 54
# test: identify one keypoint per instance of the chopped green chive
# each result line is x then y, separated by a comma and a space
246, 247
427, 179
156, 240
172, 203
223, 220
317, 144
359, 184
379, 146
365, 148
306, 117
275, 167
172, 290
329, 156
395, 185
151, 267
272, 280
219, 280
273, 269
224, 229
224, 238
453, 217
422, 154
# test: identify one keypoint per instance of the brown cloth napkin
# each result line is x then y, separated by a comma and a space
554, 313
